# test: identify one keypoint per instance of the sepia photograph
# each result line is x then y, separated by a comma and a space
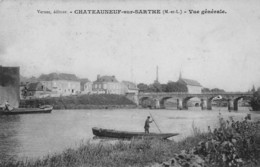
123, 83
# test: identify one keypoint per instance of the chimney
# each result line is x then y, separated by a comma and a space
98, 76
157, 77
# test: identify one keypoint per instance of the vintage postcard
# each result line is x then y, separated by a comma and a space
129, 83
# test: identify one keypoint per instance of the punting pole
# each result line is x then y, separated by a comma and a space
155, 122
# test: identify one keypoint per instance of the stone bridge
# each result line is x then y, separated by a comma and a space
183, 98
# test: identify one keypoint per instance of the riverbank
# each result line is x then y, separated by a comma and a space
233, 142
95, 101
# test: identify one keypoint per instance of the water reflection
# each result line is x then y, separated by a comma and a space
8, 136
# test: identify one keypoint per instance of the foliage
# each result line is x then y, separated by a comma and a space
176, 87
164, 87
204, 90
217, 90
121, 153
143, 87
214, 90
157, 87
232, 144
255, 101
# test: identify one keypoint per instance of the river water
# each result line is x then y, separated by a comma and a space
36, 135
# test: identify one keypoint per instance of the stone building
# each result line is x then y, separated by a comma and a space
130, 87
192, 85
107, 85
61, 84
87, 88
62, 87
131, 91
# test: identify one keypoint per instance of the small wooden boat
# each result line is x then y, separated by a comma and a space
15, 111
129, 135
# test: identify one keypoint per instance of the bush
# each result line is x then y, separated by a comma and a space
234, 143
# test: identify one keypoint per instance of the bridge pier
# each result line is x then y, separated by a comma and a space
179, 104
185, 104
209, 104
157, 103
236, 104
230, 104
203, 104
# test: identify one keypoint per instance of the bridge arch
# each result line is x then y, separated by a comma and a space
142, 99
185, 102
163, 100
236, 101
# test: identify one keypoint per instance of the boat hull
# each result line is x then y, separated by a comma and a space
26, 111
129, 135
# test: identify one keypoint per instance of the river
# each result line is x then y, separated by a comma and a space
36, 135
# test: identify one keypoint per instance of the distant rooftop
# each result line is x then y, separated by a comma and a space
36, 86
189, 82
130, 85
58, 76
106, 78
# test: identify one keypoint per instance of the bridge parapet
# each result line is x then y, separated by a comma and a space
206, 98
185, 93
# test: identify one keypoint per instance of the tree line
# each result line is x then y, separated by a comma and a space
170, 87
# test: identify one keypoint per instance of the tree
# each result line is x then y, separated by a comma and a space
181, 87
170, 87
164, 87
176, 87
255, 101
217, 90
143, 87
157, 87
205, 90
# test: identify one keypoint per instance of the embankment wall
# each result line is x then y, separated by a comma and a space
101, 101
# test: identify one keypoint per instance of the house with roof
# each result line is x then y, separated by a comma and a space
130, 87
61, 84
35, 90
107, 85
192, 85
85, 86
131, 91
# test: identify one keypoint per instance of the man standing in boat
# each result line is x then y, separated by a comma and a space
147, 124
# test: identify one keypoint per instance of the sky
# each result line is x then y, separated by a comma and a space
217, 50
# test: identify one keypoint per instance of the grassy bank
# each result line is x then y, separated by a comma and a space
95, 101
133, 153
232, 144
